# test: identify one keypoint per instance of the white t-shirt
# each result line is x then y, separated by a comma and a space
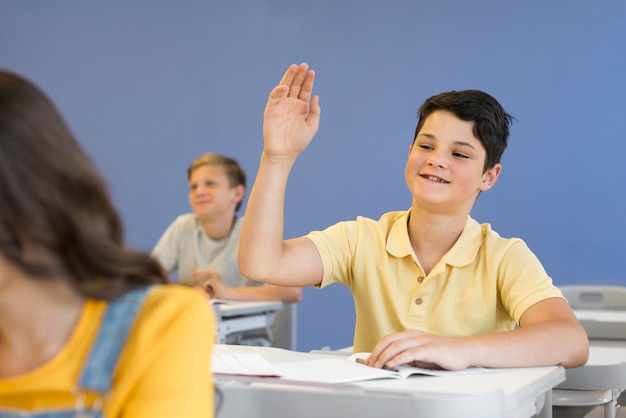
185, 247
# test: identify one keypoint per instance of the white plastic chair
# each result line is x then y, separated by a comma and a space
595, 296
580, 402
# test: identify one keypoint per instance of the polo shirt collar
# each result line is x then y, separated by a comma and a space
462, 253
465, 249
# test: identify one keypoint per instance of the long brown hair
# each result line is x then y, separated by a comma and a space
56, 216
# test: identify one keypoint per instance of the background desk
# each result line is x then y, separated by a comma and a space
236, 317
603, 324
601, 310
599, 382
509, 393
605, 369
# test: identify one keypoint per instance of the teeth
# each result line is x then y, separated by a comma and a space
435, 179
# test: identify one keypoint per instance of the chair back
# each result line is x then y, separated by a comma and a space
595, 296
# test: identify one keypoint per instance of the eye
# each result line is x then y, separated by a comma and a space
193, 187
426, 146
460, 155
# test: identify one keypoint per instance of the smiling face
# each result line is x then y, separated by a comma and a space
445, 166
210, 194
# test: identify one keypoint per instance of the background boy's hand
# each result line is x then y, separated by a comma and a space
211, 282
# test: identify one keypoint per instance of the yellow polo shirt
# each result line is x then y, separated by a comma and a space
482, 285
163, 371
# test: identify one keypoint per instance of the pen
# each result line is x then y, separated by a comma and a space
361, 361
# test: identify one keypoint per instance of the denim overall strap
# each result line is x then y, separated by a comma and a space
118, 319
98, 371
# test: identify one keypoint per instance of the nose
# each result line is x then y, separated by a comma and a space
200, 190
437, 159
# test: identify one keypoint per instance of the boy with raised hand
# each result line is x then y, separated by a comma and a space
432, 287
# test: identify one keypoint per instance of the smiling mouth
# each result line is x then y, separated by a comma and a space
433, 178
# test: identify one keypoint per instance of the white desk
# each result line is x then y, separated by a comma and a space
603, 378
603, 324
235, 317
605, 369
509, 393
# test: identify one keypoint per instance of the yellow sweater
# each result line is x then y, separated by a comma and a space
163, 371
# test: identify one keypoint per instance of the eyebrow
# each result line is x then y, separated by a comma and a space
459, 143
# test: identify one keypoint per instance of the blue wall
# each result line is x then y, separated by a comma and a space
149, 85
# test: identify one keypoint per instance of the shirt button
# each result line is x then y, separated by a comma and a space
418, 301
420, 279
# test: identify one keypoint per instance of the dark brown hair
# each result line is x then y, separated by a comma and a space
56, 217
491, 122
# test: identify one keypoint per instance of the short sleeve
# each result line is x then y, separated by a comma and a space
165, 370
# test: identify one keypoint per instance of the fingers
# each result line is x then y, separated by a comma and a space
213, 285
208, 289
289, 75
399, 348
303, 79
308, 79
276, 94
385, 350
420, 349
292, 113
315, 111
299, 82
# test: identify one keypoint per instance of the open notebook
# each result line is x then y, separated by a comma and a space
322, 370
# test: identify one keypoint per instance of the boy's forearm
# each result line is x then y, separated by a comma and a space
261, 241
267, 293
550, 343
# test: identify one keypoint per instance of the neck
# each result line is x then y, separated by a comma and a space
37, 317
432, 235
218, 228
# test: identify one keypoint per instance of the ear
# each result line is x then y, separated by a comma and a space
240, 192
490, 177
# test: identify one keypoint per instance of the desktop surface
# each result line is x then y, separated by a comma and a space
510, 393
229, 309
605, 369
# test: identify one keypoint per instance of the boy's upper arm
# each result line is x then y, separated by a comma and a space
562, 330
550, 309
301, 265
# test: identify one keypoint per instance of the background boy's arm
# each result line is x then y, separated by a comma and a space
210, 281
549, 334
263, 293
290, 121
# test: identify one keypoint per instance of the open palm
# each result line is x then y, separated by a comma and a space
292, 114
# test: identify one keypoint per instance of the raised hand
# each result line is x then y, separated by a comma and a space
292, 114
